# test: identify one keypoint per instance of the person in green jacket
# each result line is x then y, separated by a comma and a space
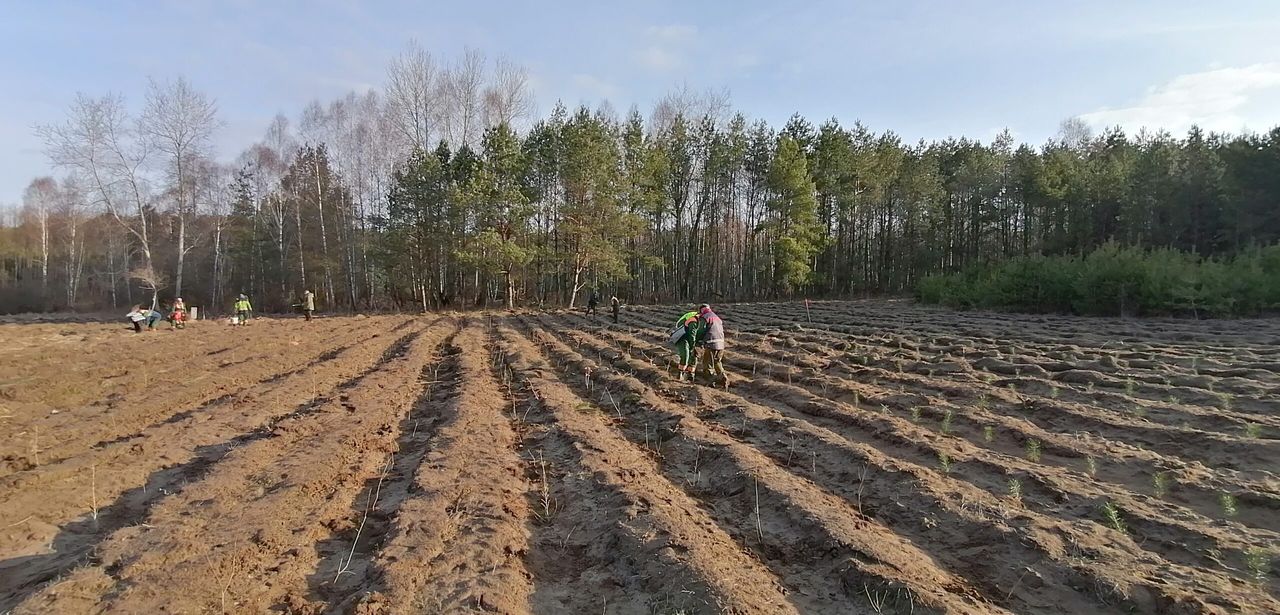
684, 335
242, 309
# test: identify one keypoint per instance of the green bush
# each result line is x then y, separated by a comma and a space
1114, 280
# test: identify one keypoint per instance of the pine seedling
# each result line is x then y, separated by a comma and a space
1228, 503
944, 463
1258, 561
1033, 450
1015, 489
1161, 482
1091, 466
915, 414
1111, 514
1252, 430
946, 422
988, 434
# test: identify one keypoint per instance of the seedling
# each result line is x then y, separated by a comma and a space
1033, 450
946, 422
1111, 514
1258, 561
545, 501
1053, 392
1015, 489
1161, 481
984, 400
1130, 387
1252, 430
1228, 503
915, 414
944, 463
988, 434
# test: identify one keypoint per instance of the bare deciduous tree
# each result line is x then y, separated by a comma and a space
463, 85
178, 123
99, 142
40, 196
413, 95
71, 212
508, 99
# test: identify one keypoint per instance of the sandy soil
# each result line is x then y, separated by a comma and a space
867, 457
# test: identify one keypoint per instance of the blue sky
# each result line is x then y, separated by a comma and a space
924, 69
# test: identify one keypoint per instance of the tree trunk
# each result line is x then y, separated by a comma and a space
182, 253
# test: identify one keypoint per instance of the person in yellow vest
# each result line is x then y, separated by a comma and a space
242, 309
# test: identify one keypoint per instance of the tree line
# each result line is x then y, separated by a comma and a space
442, 190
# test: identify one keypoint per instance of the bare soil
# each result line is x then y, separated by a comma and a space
866, 457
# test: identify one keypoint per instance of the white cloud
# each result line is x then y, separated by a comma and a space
592, 87
1223, 99
659, 58
666, 45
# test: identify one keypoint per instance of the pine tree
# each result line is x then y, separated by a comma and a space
794, 206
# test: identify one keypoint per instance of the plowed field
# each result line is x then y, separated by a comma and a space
869, 457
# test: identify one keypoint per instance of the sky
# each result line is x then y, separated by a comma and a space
923, 69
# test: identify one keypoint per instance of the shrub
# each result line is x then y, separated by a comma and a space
1114, 280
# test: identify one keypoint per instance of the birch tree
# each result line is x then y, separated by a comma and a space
39, 197
100, 142
178, 123
413, 95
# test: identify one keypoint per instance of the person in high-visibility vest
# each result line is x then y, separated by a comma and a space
242, 309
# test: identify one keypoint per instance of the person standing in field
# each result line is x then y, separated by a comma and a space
684, 336
593, 303
308, 304
615, 306
711, 340
242, 308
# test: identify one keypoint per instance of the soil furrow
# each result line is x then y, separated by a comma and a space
55, 502
252, 520
673, 555
1161, 528
812, 536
